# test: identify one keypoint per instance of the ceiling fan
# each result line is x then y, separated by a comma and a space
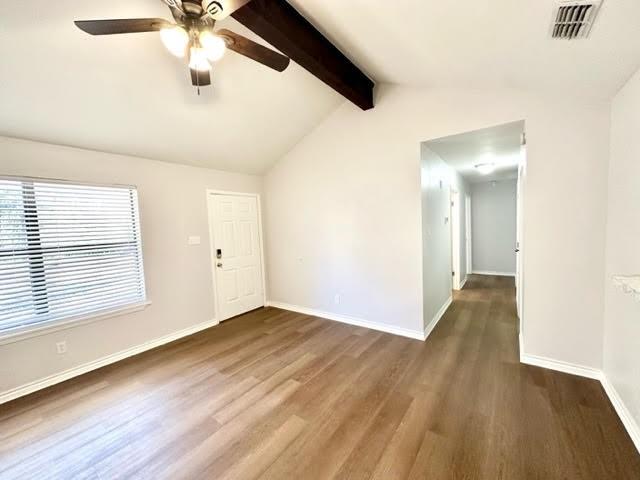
192, 35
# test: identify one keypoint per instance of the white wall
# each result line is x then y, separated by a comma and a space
436, 233
344, 211
437, 181
622, 313
178, 277
493, 226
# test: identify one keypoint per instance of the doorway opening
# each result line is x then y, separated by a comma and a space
473, 212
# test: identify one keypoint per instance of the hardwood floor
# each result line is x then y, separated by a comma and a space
279, 395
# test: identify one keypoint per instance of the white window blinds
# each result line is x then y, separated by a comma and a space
66, 251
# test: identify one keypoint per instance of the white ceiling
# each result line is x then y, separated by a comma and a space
126, 94
499, 145
482, 43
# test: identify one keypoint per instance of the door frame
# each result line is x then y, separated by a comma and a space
212, 250
456, 228
468, 232
520, 226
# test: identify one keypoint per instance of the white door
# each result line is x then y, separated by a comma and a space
237, 254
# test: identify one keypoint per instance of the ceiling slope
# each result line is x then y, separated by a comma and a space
126, 94
482, 43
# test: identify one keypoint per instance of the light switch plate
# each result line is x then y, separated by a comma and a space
61, 347
194, 240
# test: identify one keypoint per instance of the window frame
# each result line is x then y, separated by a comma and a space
69, 321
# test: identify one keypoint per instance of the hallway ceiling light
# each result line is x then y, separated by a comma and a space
485, 168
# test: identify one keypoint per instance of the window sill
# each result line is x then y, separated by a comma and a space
30, 331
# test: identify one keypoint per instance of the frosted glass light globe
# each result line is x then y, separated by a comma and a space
213, 45
175, 39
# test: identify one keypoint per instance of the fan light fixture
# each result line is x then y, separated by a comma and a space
213, 45
175, 39
198, 60
485, 168
193, 36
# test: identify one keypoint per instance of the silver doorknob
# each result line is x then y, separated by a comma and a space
219, 265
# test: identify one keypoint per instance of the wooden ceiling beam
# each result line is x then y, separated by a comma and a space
277, 22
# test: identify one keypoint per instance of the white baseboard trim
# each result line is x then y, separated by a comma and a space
464, 282
625, 416
434, 321
101, 362
623, 412
521, 345
560, 366
497, 274
358, 322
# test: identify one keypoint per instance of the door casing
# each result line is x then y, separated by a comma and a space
520, 225
468, 233
456, 264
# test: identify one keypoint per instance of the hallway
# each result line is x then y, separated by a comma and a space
515, 420
276, 394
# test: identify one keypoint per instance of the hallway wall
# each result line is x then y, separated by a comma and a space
493, 227
622, 311
437, 180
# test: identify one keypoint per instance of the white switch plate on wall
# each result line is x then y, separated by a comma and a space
61, 347
194, 240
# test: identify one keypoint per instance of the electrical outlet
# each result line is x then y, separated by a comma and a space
61, 347
336, 299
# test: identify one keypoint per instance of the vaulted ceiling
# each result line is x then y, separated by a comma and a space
482, 43
126, 94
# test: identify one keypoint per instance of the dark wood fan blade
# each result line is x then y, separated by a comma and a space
200, 79
254, 51
219, 9
127, 25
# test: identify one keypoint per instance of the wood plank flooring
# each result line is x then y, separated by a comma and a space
279, 395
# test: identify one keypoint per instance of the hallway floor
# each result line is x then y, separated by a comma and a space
280, 395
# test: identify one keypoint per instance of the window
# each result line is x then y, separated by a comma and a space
66, 251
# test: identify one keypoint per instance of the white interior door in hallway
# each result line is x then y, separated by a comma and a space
237, 253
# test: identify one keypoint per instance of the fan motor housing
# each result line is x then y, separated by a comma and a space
193, 7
